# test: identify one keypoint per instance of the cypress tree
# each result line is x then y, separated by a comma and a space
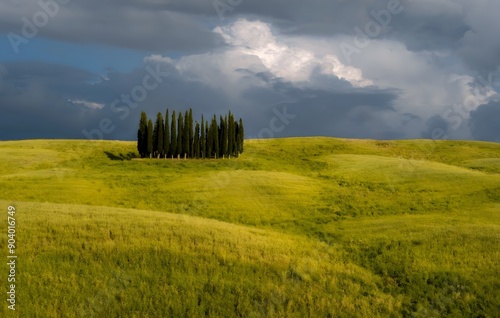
220, 132
236, 140
150, 138
225, 137
222, 128
191, 136
241, 136
180, 128
139, 136
185, 136
215, 132
142, 135
155, 136
173, 137
207, 133
203, 145
196, 141
210, 139
230, 137
166, 136
158, 136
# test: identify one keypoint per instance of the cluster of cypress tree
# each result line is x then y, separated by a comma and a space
178, 138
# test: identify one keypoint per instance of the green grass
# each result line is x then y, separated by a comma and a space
296, 227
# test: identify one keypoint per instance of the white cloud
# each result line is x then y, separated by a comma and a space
91, 105
426, 84
156, 58
253, 46
289, 61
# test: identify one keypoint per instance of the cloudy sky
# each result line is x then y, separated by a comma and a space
382, 69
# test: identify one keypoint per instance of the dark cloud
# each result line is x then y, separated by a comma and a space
468, 29
437, 128
33, 101
444, 32
42, 100
355, 114
37, 103
482, 52
485, 122
139, 25
341, 110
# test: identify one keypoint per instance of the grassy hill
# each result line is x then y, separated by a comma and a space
296, 227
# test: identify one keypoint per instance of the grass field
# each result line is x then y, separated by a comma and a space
296, 227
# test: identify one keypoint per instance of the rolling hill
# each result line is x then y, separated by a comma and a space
295, 227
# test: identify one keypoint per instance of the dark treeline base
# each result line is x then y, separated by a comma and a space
178, 139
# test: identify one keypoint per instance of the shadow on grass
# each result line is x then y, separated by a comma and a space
121, 156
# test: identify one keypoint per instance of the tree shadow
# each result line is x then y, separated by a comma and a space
120, 156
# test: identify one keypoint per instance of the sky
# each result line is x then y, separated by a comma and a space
377, 69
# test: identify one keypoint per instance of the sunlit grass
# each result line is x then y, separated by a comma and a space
295, 227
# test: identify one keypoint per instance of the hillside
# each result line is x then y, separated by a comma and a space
295, 227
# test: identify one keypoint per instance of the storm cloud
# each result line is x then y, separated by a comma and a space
485, 122
366, 69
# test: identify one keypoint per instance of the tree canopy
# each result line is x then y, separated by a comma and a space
179, 137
